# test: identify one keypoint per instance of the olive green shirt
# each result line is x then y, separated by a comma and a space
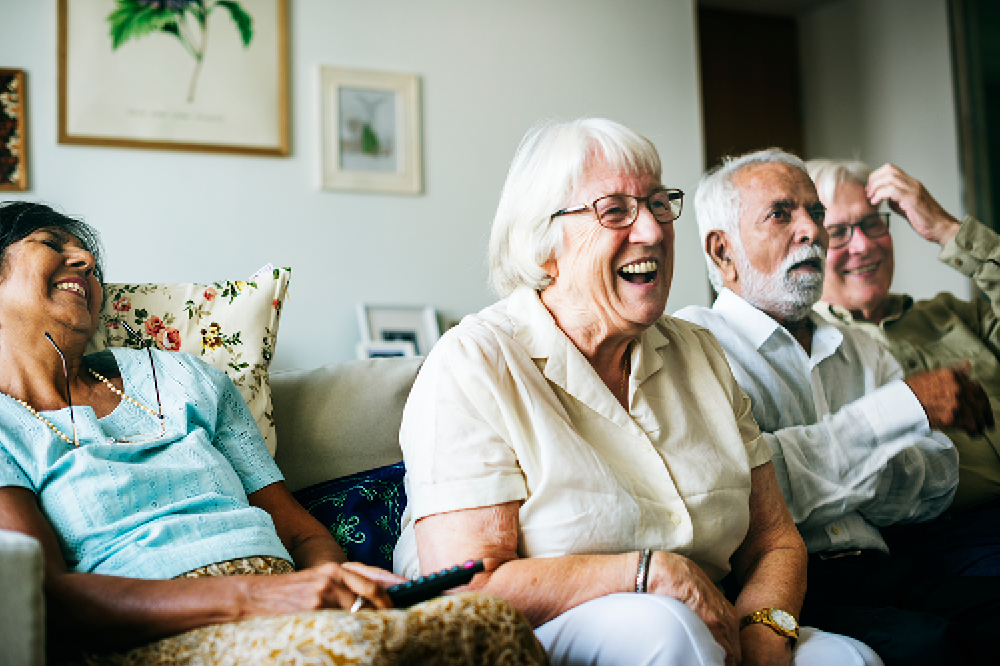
945, 331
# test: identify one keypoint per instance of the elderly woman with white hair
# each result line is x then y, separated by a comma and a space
596, 455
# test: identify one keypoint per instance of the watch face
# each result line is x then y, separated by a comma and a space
783, 619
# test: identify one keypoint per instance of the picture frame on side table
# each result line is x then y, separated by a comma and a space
371, 131
13, 130
194, 76
415, 324
385, 349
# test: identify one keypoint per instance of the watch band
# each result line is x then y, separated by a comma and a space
642, 573
781, 622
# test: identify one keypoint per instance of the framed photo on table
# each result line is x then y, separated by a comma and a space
13, 131
415, 324
371, 131
385, 349
180, 75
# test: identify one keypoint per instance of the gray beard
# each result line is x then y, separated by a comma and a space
790, 297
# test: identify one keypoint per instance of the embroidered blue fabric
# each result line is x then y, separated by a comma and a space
362, 512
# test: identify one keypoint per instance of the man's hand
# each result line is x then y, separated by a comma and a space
906, 196
952, 399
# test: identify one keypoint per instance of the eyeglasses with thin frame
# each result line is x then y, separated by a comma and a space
619, 211
873, 226
135, 439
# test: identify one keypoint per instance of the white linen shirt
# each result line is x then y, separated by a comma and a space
852, 447
506, 408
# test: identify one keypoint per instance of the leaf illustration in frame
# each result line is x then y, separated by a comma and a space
186, 20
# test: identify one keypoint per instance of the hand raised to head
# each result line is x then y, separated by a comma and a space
952, 399
907, 196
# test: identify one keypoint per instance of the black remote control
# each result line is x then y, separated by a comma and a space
428, 587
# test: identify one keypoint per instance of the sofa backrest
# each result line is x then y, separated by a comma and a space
339, 419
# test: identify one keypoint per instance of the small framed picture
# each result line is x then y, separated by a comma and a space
13, 148
385, 349
416, 325
371, 131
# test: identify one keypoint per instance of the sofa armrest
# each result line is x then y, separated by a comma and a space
22, 611
341, 418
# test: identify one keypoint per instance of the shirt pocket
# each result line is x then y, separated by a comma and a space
957, 345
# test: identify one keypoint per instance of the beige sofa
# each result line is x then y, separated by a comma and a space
331, 421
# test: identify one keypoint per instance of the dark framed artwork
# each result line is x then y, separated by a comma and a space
13, 131
182, 75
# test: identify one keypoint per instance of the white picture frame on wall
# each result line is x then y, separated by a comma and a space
370, 131
414, 324
385, 350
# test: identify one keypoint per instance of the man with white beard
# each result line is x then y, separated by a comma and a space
854, 445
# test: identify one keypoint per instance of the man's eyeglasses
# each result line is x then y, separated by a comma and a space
135, 439
619, 211
874, 226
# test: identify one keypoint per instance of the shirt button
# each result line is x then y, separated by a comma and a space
958, 262
835, 530
675, 519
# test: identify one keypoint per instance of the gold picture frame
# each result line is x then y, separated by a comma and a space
371, 131
13, 130
136, 75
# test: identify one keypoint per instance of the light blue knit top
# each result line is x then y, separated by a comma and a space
152, 509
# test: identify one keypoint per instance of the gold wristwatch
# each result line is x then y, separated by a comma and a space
780, 621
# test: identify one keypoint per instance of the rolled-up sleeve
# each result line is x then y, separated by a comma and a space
454, 432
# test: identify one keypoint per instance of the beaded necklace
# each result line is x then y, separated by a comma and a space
107, 382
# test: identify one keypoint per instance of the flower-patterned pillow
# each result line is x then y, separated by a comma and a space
230, 325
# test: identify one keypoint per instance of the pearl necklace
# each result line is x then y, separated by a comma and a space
107, 382
45, 421
163, 428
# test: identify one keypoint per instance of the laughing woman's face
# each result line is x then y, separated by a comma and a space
614, 281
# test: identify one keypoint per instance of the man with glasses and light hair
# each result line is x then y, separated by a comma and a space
922, 335
852, 441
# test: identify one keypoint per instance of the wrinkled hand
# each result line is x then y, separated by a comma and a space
676, 576
321, 587
906, 196
952, 399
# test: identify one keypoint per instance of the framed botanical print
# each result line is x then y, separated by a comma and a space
180, 75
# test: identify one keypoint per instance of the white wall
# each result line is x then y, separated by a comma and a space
877, 86
489, 70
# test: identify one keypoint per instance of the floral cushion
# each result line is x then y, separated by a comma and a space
362, 512
230, 325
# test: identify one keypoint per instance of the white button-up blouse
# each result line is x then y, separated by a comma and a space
506, 408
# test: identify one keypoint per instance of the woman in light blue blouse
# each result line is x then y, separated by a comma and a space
150, 489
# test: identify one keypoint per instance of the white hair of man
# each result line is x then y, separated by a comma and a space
549, 168
828, 175
717, 204
718, 207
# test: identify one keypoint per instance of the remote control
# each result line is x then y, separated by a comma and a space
428, 587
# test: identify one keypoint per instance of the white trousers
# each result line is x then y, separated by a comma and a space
650, 630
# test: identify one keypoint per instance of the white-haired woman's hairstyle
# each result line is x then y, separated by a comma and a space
717, 203
828, 175
548, 169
